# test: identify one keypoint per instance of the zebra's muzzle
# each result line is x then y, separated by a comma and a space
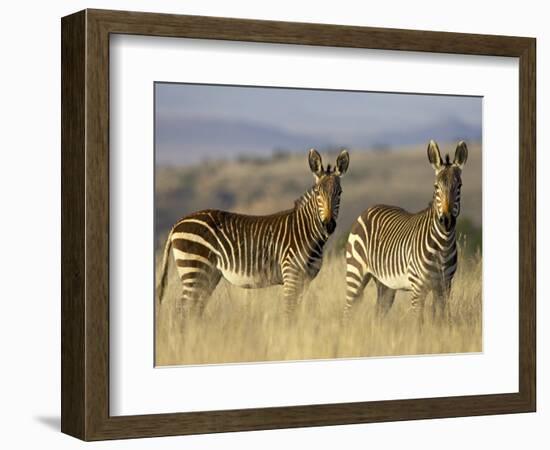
330, 226
447, 221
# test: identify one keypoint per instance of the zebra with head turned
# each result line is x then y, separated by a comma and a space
411, 252
257, 251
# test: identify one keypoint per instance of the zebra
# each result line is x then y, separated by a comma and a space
410, 252
257, 251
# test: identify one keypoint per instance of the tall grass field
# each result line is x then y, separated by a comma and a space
248, 325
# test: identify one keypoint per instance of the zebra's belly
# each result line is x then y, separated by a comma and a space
399, 281
249, 281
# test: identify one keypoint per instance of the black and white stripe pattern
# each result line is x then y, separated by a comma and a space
411, 252
257, 251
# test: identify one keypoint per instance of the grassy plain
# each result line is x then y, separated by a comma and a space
245, 325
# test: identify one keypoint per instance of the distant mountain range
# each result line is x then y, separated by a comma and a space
184, 142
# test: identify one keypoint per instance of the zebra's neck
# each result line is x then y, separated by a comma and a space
445, 238
306, 207
306, 198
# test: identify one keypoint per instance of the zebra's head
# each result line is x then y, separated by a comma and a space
327, 188
448, 181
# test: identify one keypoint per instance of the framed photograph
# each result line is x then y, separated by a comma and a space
273, 225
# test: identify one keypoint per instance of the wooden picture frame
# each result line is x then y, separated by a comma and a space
85, 224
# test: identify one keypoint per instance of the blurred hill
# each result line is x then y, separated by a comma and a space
251, 185
209, 136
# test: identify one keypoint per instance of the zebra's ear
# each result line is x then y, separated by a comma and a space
315, 162
461, 155
434, 156
342, 163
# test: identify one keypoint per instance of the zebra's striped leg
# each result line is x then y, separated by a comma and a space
186, 304
206, 294
292, 290
385, 298
354, 291
357, 268
417, 304
197, 289
440, 309
437, 306
291, 295
447, 311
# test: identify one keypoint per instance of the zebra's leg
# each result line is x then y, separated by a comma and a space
384, 299
417, 304
199, 276
187, 300
440, 308
358, 273
206, 293
293, 286
356, 281
354, 294
195, 296
437, 305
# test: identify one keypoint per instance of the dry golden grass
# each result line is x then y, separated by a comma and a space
247, 325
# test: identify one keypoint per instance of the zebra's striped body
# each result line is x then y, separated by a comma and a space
404, 251
256, 251
401, 251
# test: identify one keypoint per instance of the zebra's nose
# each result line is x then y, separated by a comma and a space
331, 226
446, 220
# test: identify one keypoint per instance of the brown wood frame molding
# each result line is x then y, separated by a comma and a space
85, 224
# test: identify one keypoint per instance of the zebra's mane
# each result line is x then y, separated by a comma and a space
304, 198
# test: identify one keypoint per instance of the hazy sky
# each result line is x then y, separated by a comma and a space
195, 122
